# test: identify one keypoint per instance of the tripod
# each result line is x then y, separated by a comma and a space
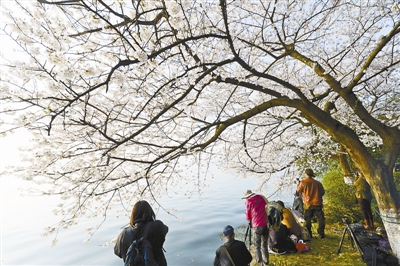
352, 237
247, 232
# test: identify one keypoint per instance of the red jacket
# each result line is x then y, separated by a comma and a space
255, 211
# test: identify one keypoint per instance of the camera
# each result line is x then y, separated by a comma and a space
346, 220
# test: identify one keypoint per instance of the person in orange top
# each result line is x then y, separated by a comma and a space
289, 220
312, 192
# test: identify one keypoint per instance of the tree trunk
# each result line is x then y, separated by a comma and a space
342, 159
377, 171
391, 221
388, 199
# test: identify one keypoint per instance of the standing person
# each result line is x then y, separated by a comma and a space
232, 251
364, 197
142, 214
312, 192
298, 203
257, 216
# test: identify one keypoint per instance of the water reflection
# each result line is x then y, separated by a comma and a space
190, 241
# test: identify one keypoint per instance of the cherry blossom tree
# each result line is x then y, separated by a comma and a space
122, 96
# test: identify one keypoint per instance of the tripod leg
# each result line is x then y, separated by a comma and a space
341, 241
357, 244
351, 240
247, 231
250, 236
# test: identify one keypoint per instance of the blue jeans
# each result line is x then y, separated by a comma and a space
260, 237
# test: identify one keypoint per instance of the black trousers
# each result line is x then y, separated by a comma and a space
365, 207
319, 213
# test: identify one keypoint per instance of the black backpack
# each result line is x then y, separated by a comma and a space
140, 252
274, 214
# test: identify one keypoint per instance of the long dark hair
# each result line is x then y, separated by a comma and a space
142, 212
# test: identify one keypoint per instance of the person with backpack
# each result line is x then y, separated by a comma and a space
233, 252
312, 192
257, 216
143, 224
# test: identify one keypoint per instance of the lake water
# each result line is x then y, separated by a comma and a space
192, 240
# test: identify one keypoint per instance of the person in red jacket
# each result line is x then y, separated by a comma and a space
312, 192
257, 216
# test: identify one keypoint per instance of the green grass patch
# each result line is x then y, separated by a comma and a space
322, 252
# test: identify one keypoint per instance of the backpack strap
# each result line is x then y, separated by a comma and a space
147, 229
128, 257
266, 201
227, 253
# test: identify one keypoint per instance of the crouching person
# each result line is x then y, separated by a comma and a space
233, 252
290, 221
279, 240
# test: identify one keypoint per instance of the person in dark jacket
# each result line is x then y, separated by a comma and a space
232, 251
142, 213
279, 240
298, 203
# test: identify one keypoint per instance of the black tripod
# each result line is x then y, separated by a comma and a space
247, 232
352, 237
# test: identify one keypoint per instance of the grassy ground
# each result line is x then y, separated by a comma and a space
322, 252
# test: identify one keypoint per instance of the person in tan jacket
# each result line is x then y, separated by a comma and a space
312, 192
364, 197
289, 220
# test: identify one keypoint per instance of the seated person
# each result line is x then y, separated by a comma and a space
279, 240
232, 252
289, 220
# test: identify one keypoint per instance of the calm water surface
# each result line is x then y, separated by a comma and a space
190, 241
